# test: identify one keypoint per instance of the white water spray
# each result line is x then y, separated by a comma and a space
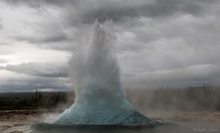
99, 97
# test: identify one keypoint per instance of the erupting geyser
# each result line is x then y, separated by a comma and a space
99, 97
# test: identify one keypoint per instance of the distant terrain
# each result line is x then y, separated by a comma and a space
192, 98
34, 100
196, 107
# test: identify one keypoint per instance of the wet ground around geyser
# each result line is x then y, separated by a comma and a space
181, 122
165, 128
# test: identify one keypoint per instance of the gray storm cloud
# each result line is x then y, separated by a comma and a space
189, 76
101, 10
158, 42
39, 69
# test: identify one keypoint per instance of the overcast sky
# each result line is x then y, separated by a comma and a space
158, 42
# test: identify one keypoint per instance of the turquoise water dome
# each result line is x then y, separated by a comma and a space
100, 99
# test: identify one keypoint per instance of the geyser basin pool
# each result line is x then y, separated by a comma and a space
99, 97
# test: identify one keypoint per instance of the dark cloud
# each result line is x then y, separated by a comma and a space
193, 75
39, 3
119, 10
158, 8
52, 70
88, 11
46, 38
159, 42
75, 12
48, 31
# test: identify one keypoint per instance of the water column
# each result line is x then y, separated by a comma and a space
100, 99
